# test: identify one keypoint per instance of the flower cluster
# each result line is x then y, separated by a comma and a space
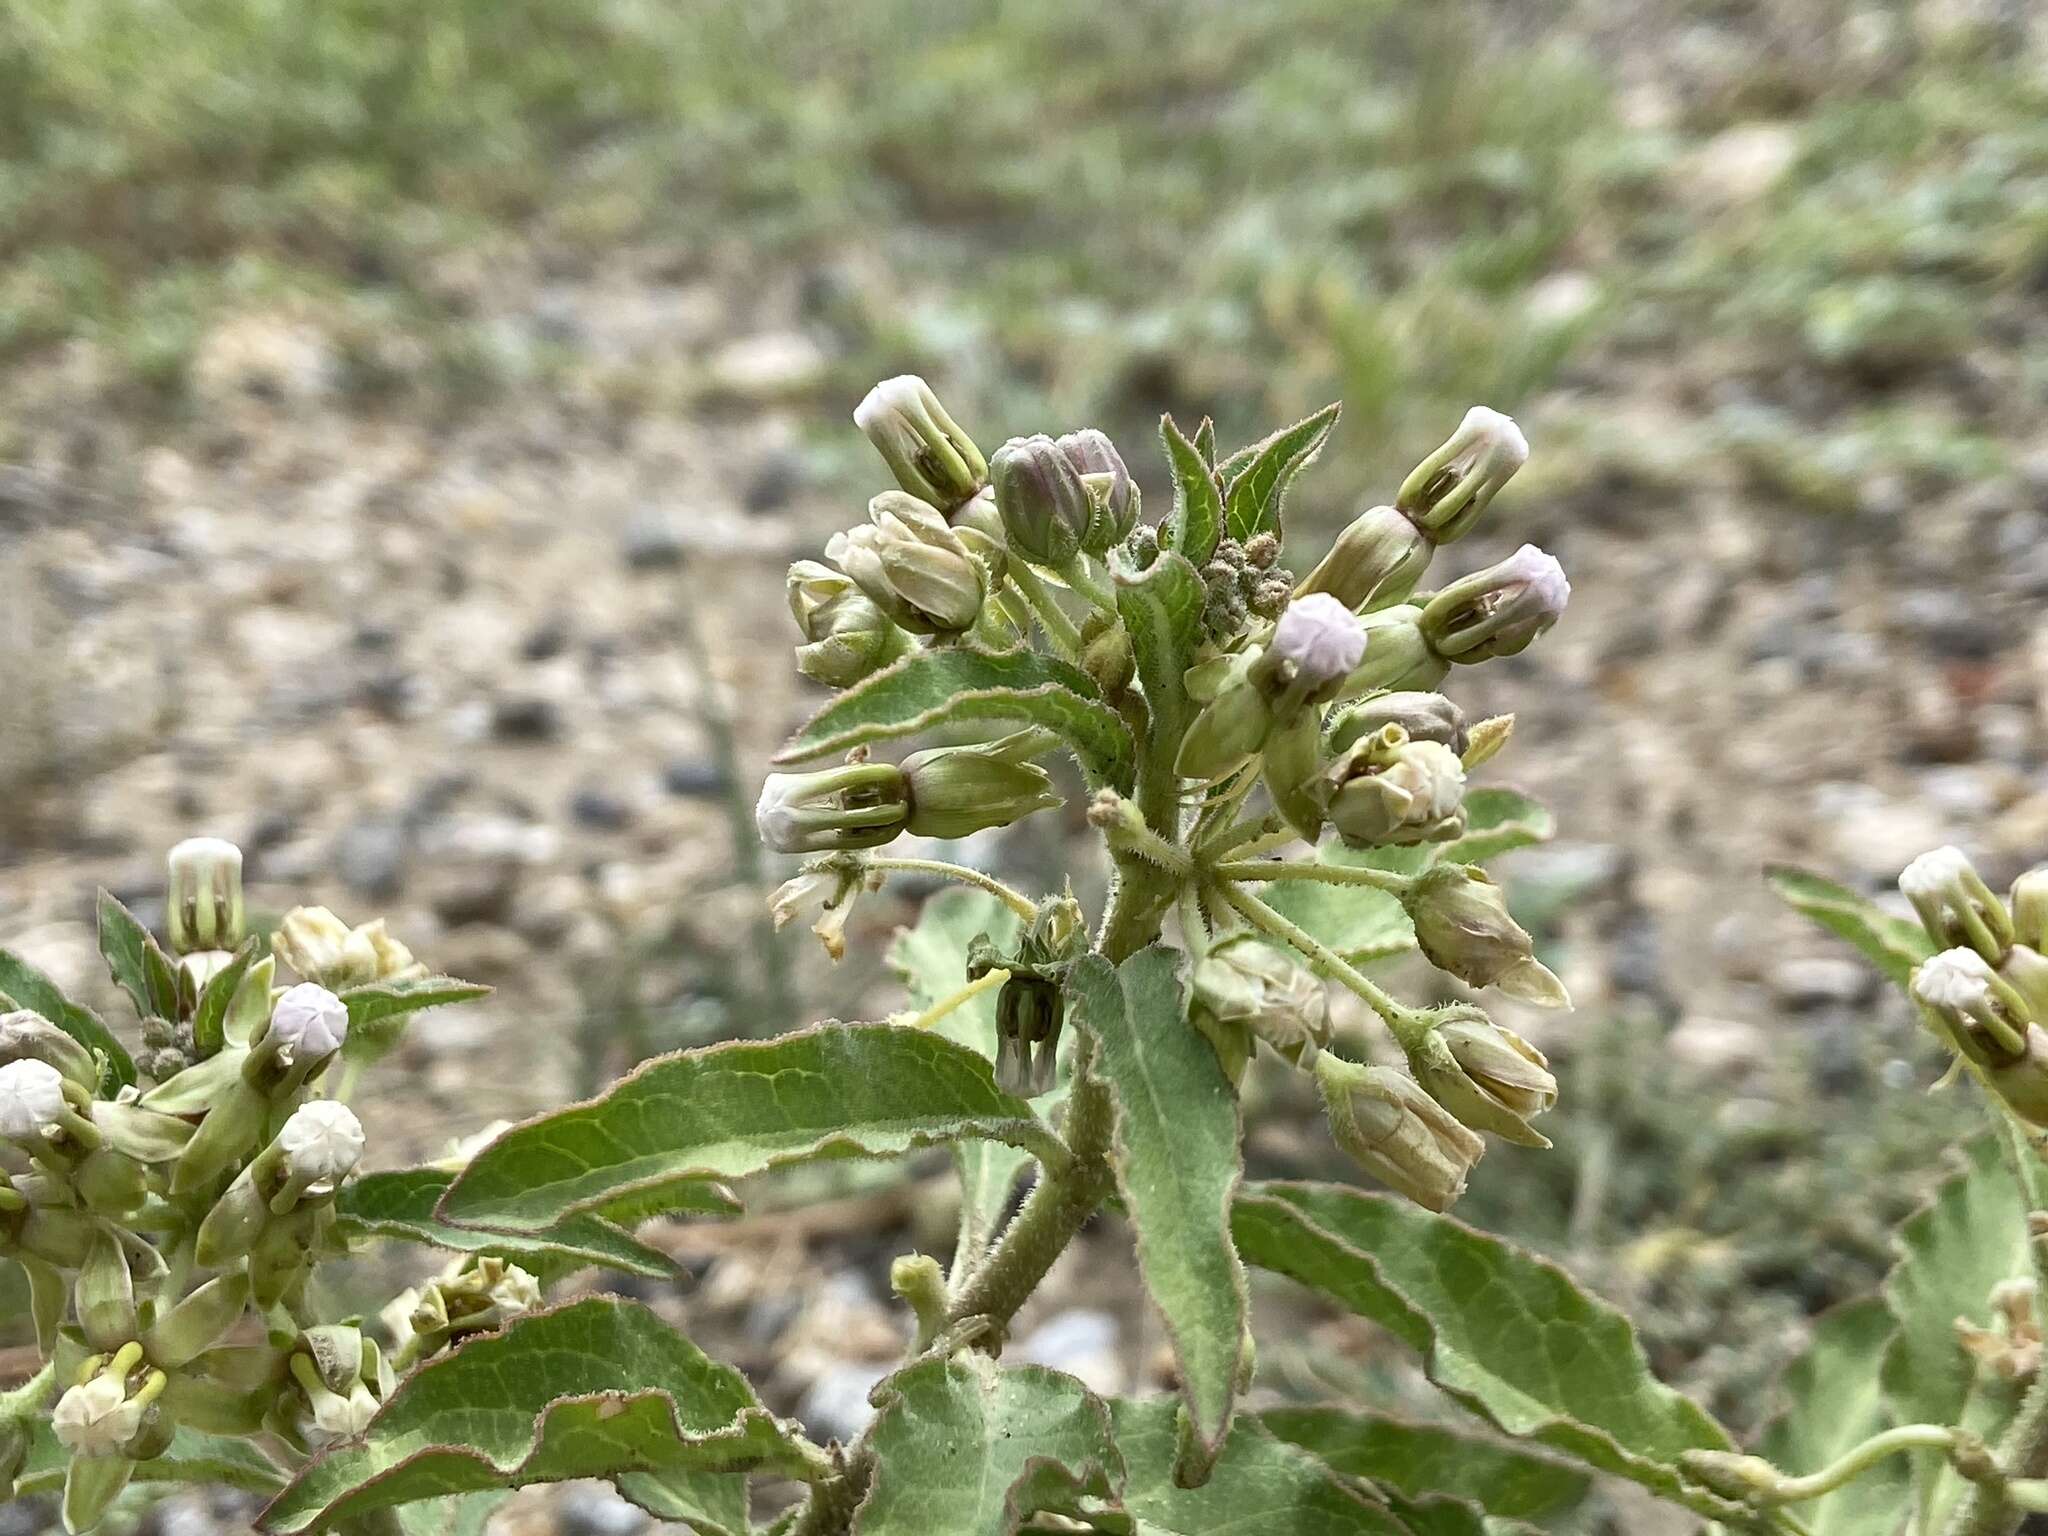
1242, 688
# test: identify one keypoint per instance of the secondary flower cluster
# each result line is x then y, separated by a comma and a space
1320, 692
158, 1223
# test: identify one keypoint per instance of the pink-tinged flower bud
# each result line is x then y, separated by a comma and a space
1376, 561
1246, 984
954, 791
1424, 716
308, 1024
32, 1101
923, 446
204, 904
1985, 1014
1464, 928
1447, 492
1398, 655
1388, 791
1110, 486
913, 566
1046, 509
1397, 1132
1489, 1077
1316, 645
1955, 905
1498, 611
856, 805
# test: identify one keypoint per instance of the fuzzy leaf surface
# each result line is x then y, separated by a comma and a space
23, 986
1260, 1484
597, 1388
1497, 821
743, 1107
1177, 1160
1161, 607
127, 948
1894, 945
1196, 522
1952, 1253
1417, 1460
973, 1449
932, 960
1360, 923
1834, 1401
1511, 1337
927, 688
400, 1204
375, 1011
1260, 486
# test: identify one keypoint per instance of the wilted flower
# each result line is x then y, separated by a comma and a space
924, 447
1246, 984
1463, 926
1389, 791
1447, 491
1498, 611
1110, 486
856, 805
2012, 1348
204, 903
324, 949
1046, 509
1955, 905
1376, 560
912, 564
1397, 1132
32, 1101
1489, 1077
832, 891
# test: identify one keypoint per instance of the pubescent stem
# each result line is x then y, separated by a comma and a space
1052, 618
1260, 871
1405, 1023
1079, 573
1015, 900
1124, 826
1989, 1509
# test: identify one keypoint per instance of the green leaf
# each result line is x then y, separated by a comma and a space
1205, 441
209, 1019
192, 1457
708, 1503
743, 1107
1177, 1159
932, 960
1835, 1402
970, 1448
1260, 1484
400, 1204
465, 1514
676, 1197
1358, 922
597, 1388
1161, 607
1416, 1460
1257, 490
1953, 1253
1497, 821
23, 986
376, 1011
138, 964
1509, 1336
1196, 522
1894, 945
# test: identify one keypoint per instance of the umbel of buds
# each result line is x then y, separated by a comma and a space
204, 904
1396, 1131
1498, 611
1314, 649
925, 449
1446, 493
913, 566
1955, 905
1046, 507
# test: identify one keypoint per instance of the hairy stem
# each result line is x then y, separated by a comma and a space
2023, 1453
1321, 958
1052, 618
1260, 871
1015, 900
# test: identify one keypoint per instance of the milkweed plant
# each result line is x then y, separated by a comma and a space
1286, 796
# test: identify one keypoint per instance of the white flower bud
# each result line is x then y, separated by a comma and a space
322, 1143
31, 1099
1958, 979
1447, 491
1321, 640
856, 805
309, 1022
1987, 1016
515, 1292
1955, 905
205, 897
97, 1417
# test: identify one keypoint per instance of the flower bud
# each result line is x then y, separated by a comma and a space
1447, 492
231, 1127
1291, 765
32, 1102
1985, 1014
924, 448
1046, 509
1464, 928
1489, 1077
104, 1294
1377, 560
307, 1024
1424, 716
321, 1144
1110, 487
1498, 611
957, 790
980, 527
1029, 1013
2023, 1081
314, 942
1107, 655
846, 636
1397, 1132
110, 1183
1398, 656
1246, 982
1316, 645
914, 567
1955, 905
28, 1036
856, 805
205, 898
1389, 791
